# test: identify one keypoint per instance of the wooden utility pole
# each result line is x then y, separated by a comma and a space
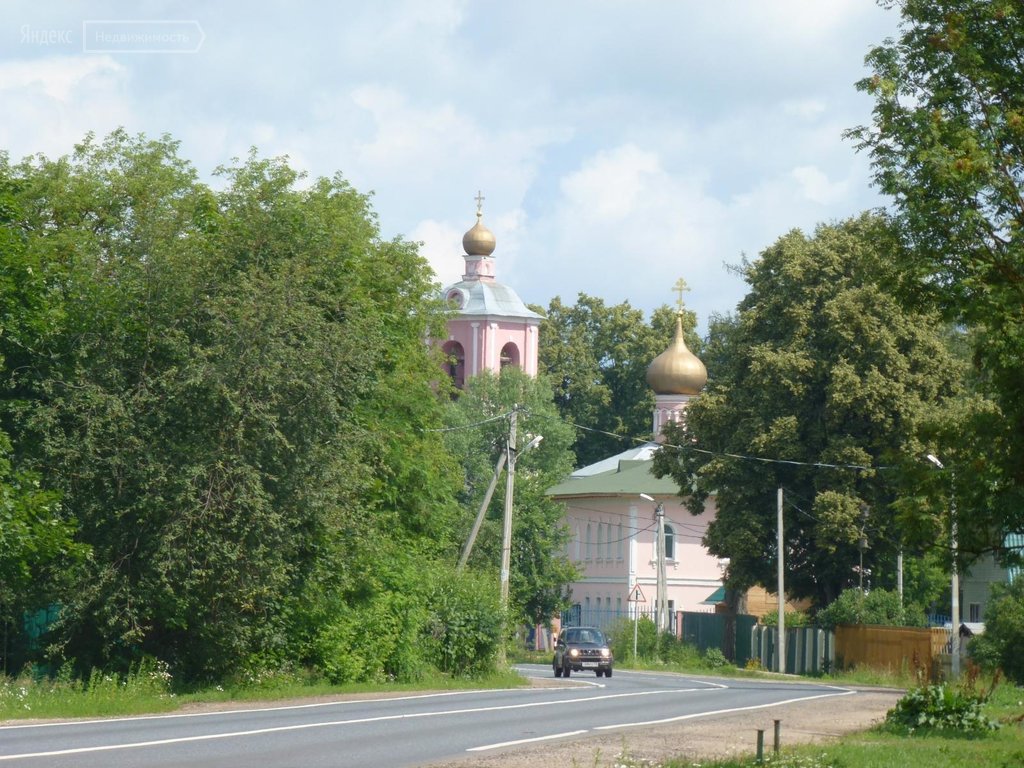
506, 531
781, 665
483, 511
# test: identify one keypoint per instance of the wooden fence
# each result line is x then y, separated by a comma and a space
891, 648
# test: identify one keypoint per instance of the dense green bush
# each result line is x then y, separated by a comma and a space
880, 607
1000, 646
793, 619
652, 646
941, 708
714, 658
463, 631
622, 633
374, 642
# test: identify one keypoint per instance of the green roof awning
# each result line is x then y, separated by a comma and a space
716, 597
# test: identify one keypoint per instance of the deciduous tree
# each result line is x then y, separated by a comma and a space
818, 382
229, 390
479, 431
947, 144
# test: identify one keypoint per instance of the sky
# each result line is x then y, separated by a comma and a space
619, 144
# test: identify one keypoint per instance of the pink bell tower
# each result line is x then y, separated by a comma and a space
492, 327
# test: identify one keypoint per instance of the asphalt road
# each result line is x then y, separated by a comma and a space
393, 732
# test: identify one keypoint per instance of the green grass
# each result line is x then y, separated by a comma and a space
148, 689
879, 748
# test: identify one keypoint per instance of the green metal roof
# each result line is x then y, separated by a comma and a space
628, 478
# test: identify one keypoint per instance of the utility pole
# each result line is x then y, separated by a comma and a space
954, 587
955, 579
899, 575
506, 531
862, 544
781, 664
483, 511
662, 578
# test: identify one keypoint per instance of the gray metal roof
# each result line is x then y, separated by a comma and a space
486, 297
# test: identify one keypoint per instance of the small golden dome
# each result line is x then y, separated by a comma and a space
479, 241
677, 371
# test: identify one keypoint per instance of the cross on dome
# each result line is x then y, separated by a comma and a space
479, 203
679, 287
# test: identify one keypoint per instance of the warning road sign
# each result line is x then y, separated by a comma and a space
636, 595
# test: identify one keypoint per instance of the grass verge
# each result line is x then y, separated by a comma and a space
148, 690
882, 748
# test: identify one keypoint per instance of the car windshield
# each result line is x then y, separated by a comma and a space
584, 636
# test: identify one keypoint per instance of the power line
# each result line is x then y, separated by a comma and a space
474, 425
738, 456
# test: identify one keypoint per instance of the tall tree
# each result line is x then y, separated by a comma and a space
229, 389
37, 547
479, 431
821, 371
596, 357
947, 143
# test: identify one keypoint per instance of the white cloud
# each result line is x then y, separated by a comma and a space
441, 246
609, 185
806, 109
49, 104
617, 150
816, 187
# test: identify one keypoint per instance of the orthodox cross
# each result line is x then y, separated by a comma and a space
679, 287
479, 203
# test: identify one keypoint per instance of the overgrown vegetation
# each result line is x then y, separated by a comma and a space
655, 648
880, 607
150, 688
226, 436
943, 707
1001, 645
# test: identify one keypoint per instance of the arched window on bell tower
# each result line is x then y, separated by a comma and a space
510, 356
455, 363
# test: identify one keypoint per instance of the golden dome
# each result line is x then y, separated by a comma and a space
478, 241
677, 371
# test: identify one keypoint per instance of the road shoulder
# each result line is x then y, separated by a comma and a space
704, 738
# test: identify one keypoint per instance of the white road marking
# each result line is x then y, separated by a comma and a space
334, 723
243, 711
525, 741
720, 711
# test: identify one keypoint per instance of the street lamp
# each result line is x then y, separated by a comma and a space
662, 596
954, 645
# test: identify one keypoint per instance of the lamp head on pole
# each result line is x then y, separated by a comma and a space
934, 460
532, 444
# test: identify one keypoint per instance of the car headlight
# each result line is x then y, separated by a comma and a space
574, 652
605, 652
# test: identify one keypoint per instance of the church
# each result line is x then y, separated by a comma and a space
491, 327
617, 511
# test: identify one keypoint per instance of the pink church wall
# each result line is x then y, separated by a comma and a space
482, 341
610, 570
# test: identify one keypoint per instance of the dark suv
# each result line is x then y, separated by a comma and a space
582, 648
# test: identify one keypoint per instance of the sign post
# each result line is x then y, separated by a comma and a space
636, 596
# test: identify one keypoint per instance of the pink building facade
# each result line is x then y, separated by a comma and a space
492, 328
